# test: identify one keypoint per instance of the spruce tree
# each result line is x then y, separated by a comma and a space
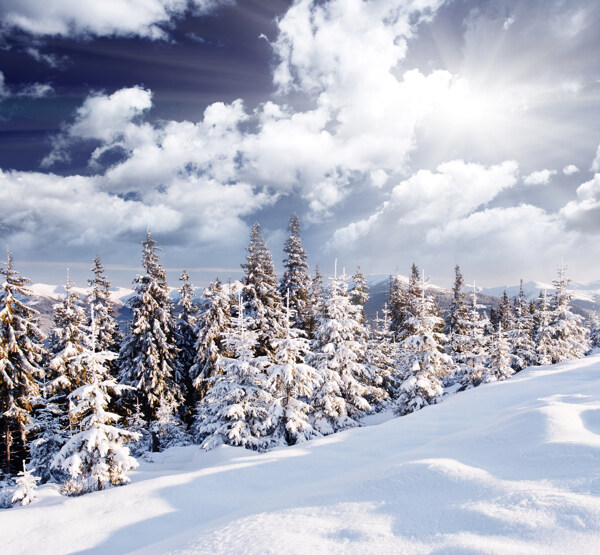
295, 278
148, 355
398, 306
569, 335
109, 335
96, 455
422, 361
211, 326
25, 486
291, 382
235, 410
262, 299
21, 352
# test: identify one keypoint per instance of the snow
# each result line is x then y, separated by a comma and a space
508, 467
589, 292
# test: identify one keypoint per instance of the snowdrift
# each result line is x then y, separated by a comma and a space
509, 467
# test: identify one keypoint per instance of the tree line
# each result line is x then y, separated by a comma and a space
277, 362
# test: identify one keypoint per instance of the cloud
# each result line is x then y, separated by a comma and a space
33, 90
425, 200
541, 177
42, 210
570, 169
67, 18
584, 213
596, 163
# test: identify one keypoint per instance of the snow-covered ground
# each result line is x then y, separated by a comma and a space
509, 467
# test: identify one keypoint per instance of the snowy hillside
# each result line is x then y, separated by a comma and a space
510, 467
589, 292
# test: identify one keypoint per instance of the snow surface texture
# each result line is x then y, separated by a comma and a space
508, 467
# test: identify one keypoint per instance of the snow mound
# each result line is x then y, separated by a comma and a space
509, 467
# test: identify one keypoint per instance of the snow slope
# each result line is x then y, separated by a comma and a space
509, 467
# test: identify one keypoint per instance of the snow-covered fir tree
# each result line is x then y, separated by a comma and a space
316, 303
49, 430
262, 299
211, 327
498, 366
296, 279
358, 293
136, 422
168, 427
337, 354
236, 409
594, 329
475, 357
65, 373
381, 356
97, 455
109, 335
569, 335
25, 486
398, 306
505, 315
291, 382
148, 355
422, 360
21, 352
520, 337
186, 339
458, 322
542, 332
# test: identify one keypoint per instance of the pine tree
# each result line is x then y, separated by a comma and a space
422, 360
295, 279
21, 352
542, 333
291, 382
147, 359
522, 346
340, 400
235, 411
66, 344
262, 299
109, 335
186, 339
499, 363
569, 335
211, 326
96, 455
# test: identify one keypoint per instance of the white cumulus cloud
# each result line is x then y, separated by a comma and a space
541, 177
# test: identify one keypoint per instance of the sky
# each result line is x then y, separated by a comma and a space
438, 132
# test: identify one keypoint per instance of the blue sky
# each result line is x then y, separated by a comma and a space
428, 131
